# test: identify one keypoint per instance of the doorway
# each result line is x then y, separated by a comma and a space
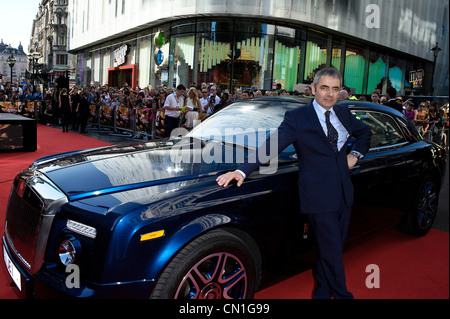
117, 77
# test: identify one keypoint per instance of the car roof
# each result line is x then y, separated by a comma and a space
350, 103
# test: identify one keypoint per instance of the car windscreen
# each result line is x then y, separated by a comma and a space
245, 123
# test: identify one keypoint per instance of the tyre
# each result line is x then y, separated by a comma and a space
423, 212
217, 265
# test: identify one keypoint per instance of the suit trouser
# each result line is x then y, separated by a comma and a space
330, 232
170, 123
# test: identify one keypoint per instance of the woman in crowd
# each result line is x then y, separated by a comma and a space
422, 118
65, 109
409, 111
433, 121
194, 110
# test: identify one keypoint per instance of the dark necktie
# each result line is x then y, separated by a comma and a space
332, 134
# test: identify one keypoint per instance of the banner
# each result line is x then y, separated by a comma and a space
8, 107
123, 116
92, 113
106, 115
24, 109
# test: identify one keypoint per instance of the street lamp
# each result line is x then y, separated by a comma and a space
11, 61
435, 50
33, 57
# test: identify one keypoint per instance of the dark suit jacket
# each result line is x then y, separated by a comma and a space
395, 105
323, 175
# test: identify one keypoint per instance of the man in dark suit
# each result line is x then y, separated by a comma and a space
319, 132
391, 93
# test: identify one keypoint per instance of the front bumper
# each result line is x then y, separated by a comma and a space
50, 284
21, 277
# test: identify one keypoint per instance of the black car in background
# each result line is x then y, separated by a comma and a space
148, 220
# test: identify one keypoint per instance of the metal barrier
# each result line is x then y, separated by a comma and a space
120, 119
114, 118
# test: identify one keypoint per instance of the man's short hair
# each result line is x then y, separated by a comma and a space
181, 87
332, 72
392, 92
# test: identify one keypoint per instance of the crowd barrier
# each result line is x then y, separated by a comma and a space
144, 122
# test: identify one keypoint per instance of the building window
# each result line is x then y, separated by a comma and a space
336, 53
253, 61
377, 72
61, 59
316, 54
286, 62
145, 59
397, 71
354, 68
215, 52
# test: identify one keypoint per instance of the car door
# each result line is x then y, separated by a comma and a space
277, 210
381, 177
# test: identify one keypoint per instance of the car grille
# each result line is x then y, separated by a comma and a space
33, 203
23, 219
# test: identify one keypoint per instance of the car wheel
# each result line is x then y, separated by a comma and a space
217, 265
421, 217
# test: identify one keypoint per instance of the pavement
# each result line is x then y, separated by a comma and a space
442, 218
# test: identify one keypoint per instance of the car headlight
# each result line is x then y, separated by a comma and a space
69, 250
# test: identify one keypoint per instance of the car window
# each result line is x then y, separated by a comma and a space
243, 123
385, 131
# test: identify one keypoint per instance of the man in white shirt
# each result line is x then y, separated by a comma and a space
172, 107
212, 97
204, 100
17, 88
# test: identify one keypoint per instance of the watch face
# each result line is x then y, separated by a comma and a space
355, 154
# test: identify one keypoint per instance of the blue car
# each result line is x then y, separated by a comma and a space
148, 220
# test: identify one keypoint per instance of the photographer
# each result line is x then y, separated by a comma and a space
213, 100
211, 104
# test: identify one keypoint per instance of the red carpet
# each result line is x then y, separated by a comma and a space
49, 141
409, 267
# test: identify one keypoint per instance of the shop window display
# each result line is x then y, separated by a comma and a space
354, 68
377, 72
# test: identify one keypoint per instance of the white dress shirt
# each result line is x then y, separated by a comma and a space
174, 102
342, 132
204, 103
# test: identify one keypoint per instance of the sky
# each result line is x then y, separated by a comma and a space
16, 21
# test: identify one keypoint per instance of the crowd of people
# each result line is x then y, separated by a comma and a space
170, 108
431, 121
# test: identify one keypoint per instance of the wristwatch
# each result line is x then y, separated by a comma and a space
356, 154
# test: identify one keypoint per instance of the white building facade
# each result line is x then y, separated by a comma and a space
253, 43
49, 37
19, 68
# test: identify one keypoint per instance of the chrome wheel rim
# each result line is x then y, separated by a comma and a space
427, 206
217, 276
